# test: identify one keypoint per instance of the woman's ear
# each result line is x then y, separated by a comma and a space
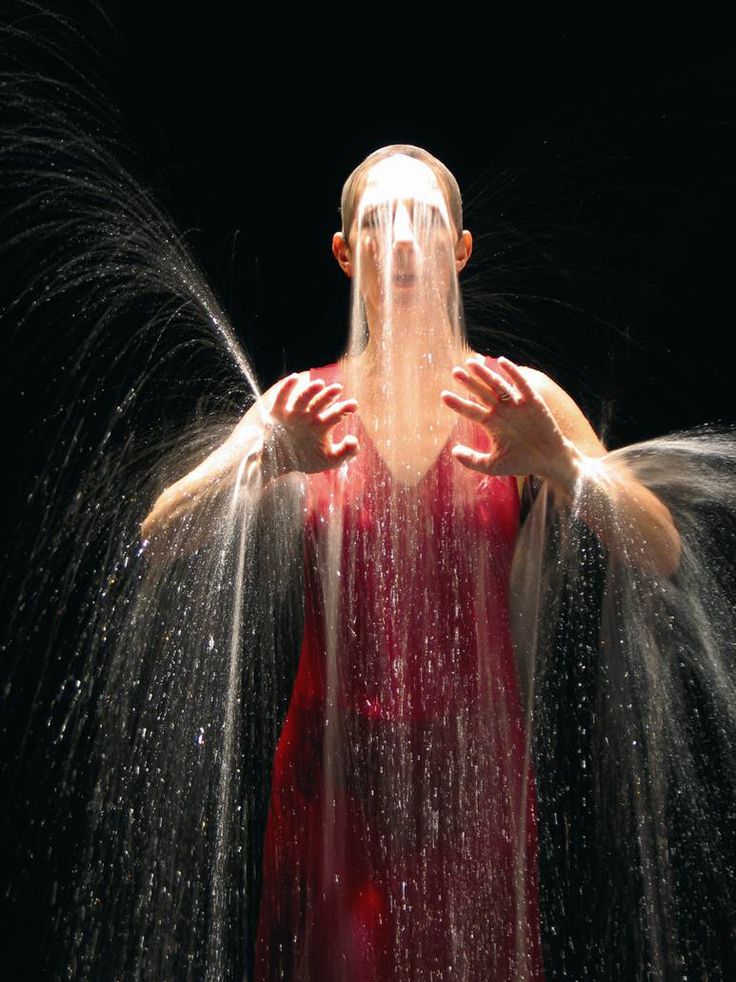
341, 252
463, 249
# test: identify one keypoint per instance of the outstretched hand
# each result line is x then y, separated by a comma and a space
302, 417
525, 437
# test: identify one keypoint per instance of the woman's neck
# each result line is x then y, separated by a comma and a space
411, 346
399, 385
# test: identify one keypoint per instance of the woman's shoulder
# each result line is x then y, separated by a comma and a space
568, 415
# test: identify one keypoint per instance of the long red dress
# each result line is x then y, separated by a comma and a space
401, 838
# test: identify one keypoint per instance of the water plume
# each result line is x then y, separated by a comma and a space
158, 687
123, 674
401, 839
629, 681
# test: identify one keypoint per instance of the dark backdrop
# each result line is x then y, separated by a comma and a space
596, 149
618, 122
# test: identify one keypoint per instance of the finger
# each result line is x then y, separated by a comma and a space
473, 459
285, 390
347, 447
502, 389
498, 368
336, 412
480, 370
324, 397
519, 379
505, 391
466, 407
481, 389
303, 398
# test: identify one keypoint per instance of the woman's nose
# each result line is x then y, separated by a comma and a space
403, 228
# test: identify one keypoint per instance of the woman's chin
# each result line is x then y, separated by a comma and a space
407, 293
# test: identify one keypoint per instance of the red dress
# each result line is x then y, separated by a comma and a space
401, 838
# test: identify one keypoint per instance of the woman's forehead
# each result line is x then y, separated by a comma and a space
402, 178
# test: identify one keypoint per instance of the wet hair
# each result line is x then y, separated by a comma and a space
353, 187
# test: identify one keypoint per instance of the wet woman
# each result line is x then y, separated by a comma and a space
401, 839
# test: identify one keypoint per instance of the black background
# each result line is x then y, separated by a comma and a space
619, 122
246, 124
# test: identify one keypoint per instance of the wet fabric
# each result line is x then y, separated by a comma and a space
401, 840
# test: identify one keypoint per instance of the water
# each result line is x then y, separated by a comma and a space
159, 690
640, 668
113, 742
393, 831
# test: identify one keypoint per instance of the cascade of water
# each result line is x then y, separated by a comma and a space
134, 730
162, 686
629, 680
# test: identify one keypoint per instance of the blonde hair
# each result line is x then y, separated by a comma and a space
353, 187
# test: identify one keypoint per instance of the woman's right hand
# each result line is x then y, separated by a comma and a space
299, 424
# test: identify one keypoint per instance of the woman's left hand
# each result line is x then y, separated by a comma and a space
525, 436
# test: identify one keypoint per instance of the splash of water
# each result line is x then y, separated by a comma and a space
641, 668
160, 726
130, 723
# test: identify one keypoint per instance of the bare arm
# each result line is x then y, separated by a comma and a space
536, 428
286, 429
617, 507
170, 521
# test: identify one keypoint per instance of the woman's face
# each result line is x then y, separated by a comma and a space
403, 239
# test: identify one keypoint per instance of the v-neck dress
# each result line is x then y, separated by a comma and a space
401, 840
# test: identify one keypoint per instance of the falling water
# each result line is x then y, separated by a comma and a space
157, 724
639, 665
136, 723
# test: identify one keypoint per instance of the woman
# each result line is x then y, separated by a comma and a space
401, 840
